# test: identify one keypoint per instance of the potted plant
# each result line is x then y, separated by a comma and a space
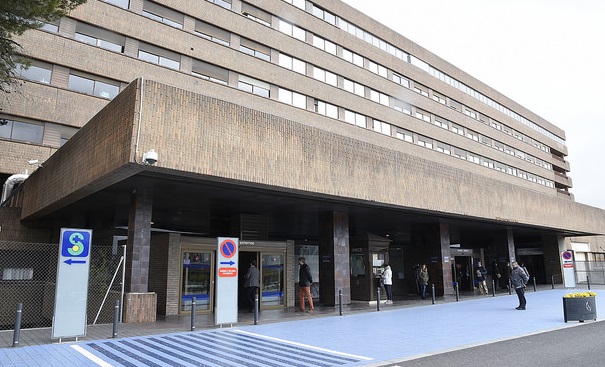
579, 306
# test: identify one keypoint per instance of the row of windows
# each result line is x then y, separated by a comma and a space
391, 49
35, 132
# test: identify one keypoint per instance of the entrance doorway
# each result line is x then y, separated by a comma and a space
462, 273
272, 278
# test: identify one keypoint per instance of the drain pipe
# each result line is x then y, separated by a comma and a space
9, 185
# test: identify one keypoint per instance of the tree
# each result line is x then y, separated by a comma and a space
18, 16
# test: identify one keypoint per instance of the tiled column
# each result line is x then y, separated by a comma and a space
137, 261
334, 258
440, 268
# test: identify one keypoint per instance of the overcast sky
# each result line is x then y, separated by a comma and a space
547, 55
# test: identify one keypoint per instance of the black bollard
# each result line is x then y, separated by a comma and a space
552, 281
255, 308
588, 282
192, 313
378, 299
534, 284
493, 288
510, 287
17, 332
433, 293
116, 318
340, 302
457, 292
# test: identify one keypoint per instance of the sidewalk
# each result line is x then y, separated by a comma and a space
358, 338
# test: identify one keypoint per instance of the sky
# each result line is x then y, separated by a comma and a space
546, 55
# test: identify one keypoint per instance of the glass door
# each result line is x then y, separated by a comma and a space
272, 280
197, 280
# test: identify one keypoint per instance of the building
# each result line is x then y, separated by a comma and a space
302, 128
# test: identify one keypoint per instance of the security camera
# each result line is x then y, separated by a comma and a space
151, 157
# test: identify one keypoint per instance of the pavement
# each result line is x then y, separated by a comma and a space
361, 336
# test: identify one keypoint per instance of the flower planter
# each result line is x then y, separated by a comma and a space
579, 309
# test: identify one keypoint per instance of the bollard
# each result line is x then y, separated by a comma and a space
340, 302
493, 288
192, 313
534, 284
588, 282
255, 308
116, 318
457, 292
17, 332
552, 281
433, 293
378, 300
510, 287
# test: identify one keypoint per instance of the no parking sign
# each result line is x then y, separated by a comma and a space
227, 256
569, 272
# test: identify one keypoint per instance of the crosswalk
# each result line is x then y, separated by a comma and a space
232, 348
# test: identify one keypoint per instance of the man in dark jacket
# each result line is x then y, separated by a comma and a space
304, 285
251, 285
519, 279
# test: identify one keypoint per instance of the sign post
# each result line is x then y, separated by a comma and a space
227, 255
569, 273
71, 295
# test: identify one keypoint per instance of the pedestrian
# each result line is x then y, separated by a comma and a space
251, 285
481, 277
387, 281
304, 285
519, 279
496, 274
423, 276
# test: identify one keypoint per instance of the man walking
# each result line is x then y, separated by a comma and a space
251, 284
519, 279
304, 285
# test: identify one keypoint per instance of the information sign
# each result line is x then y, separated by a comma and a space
227, 255
569, 272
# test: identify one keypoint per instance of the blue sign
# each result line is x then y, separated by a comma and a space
75, 243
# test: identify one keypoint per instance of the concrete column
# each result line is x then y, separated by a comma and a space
440, 267
334, 258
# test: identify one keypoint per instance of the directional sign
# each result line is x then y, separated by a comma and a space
71, 295
226, 281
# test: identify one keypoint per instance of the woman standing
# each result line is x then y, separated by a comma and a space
387, 281
424, 280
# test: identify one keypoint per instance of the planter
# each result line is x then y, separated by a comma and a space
579, 309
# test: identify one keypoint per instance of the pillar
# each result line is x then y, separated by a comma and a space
437, 243
334, 258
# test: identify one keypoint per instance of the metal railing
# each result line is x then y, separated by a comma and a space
28, 277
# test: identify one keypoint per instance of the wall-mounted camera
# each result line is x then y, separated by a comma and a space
151, 157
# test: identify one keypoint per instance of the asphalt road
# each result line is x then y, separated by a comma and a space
583, 346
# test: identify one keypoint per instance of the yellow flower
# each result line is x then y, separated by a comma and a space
580, 294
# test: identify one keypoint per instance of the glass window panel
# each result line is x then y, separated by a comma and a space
27, 132
6, 129
36, 73
105, 90
81, 84
169, 63
299, 100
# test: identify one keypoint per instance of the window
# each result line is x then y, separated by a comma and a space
121, 3
292, 98
425, 142
377, 69
355, 118
322, 14
163, 14
293, 64
402, 107
352, 57
473, 158
292, 30
89, 85
401, 80
457, 129
420, 89
382, 127
209, 72
255, 49
22, 131
52, 26
324, 45
472, 135
438, 98
326, 109
455, 105
99, 37
470, 113
404, 135
159, 56
256, 14
443, 148
379, 97
423, 115
222, 3
297, 3
17, 274
254, 86
488, 163
459, 153
37, 71
325, 76
441, 123
354, 87
212, 33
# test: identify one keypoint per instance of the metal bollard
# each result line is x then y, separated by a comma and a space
493, 288
510, 287
534, 284
588, 282
340, 302
457, 292
192, 313
17, 332
255, 308
433, 293
552, 281
378, 299
116, 318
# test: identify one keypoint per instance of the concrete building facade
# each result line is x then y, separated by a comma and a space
301, 128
